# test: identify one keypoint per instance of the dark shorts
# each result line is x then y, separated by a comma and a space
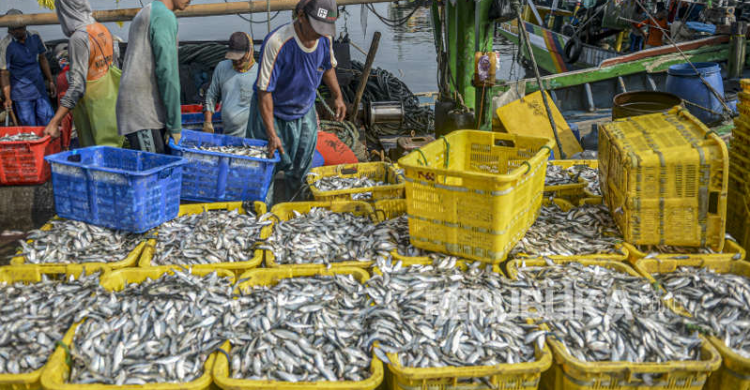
149, 141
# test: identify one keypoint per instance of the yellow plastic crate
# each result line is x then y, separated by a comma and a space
565, 206
569, 373
237, 267
33, 274
745, 85
394, 208
129, 261
732, 251
474, 194
268, 277
56, 373
665, 177
573, 191
379, 171
285, 212
735, 369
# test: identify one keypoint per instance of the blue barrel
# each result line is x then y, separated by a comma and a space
685, 83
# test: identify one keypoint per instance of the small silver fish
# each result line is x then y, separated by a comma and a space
244, 150
20, 137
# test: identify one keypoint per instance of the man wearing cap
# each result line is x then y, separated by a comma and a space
294, 59
148, 105
22, 65
232, 85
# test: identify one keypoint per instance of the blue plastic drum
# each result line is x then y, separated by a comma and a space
684, 82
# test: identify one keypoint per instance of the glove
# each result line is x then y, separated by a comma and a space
208, 127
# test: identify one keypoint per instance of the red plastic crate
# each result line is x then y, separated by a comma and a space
22, 162
191, 108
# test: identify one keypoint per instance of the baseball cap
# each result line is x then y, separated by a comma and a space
322, 15
239, 45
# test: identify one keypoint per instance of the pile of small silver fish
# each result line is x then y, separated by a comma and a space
437, 316
584, 230
153, 332
719, 302
557, 175
217, 236
324, 237
301, 329
601, 314
20, 137
35, 316
335, 183
399, 232
655, 250
244, 150
71, 242
591, 175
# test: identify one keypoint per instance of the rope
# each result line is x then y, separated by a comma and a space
396, 22
384, 86
345, 131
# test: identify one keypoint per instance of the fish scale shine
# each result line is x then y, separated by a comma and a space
20, 137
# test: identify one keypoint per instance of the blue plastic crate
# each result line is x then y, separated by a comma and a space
198, 118
212, 177
117, 188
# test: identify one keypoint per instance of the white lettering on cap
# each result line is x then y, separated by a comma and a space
322, 13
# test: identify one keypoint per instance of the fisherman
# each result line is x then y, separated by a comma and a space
22, 65
656, 30
148, 106
294, 59
232, 84
93, 79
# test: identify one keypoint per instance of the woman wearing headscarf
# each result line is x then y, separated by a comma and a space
93, 77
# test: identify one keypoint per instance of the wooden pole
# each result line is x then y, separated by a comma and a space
198, 10
365, 75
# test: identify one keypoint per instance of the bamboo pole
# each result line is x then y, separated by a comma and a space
198, 10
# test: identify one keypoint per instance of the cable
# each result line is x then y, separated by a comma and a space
260, 21
396, 22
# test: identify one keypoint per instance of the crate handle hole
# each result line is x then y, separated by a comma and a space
713, 202
505, 142
349, 171
74, 158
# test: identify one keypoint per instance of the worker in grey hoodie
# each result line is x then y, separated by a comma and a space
93, 78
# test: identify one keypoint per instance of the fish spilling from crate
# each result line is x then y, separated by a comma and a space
72, 242
303, 329
718, 302
557, 175
600, 314
237, 150
655, 250
591, 175
20, 137
584, 230
35, 316
323, 237
335, 183
156, 331
217, 236
440, 316
399, 233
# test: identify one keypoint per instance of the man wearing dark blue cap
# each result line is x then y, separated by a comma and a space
294, 59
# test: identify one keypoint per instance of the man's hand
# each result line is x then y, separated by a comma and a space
51, 88
52, 129
8, 104
208, 127
176, 137
274, 143
340, 108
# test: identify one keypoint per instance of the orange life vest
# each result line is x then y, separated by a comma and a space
101, 51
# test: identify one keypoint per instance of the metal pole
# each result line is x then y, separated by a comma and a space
198, 10
365, 75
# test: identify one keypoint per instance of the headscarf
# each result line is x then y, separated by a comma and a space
74, 15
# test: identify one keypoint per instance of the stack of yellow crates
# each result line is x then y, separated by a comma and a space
664, 178
738, 222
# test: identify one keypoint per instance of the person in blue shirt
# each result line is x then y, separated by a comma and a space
232, 85
294, 59
23, 71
